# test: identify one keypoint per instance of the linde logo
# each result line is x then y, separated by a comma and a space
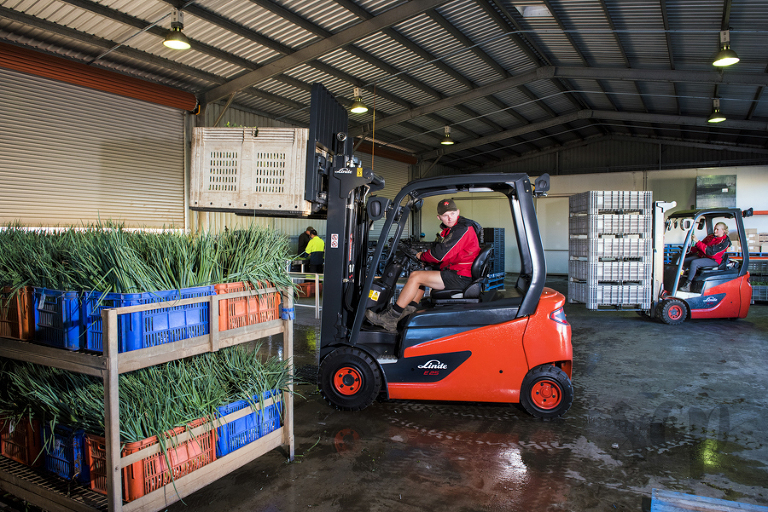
710, 299
344, 171
434, 364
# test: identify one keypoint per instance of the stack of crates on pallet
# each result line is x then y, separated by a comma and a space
495, 237
610, 249
758, 278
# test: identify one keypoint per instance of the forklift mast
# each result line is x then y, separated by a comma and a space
337, 185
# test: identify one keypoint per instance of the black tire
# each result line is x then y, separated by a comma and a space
546, 392
350, 379
673, 311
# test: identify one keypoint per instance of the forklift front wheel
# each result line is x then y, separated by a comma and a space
546, 392
672, 311
349, 379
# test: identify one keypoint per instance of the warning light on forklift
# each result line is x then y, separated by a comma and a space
558, 316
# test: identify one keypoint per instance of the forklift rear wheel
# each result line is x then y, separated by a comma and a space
546, 392
672, 311
349, 379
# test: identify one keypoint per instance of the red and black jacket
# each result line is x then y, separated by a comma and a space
712, 247
457, 250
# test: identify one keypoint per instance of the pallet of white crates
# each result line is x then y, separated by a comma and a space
595, 225
249, 170
611, 296
608, 272
621, 201
609, 247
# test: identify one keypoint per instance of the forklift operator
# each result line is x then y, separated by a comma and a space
706, 253
455, 253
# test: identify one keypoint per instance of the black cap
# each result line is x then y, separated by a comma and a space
446, 205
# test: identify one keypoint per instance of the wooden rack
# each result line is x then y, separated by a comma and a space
56, 495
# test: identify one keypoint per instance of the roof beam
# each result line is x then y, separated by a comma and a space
548, 72
322, 47
593, 114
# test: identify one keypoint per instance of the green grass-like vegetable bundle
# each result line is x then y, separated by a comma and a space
153, 400
108, 258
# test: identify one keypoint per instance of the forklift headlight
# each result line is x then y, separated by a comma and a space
558, 316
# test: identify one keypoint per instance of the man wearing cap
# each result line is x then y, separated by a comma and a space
304, 239
455, 253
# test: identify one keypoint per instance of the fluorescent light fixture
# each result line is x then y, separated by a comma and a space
176, 38
726, 56
358, 107
447, 140
716, 116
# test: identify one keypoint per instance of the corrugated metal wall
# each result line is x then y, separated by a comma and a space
69, 154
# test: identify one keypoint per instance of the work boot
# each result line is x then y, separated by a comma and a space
685, 286
387, 319
407, 311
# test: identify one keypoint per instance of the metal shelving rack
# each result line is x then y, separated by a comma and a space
57, 495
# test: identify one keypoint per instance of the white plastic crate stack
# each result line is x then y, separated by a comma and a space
249, 170
610, 249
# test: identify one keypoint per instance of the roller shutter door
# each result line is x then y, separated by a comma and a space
70, 154
395, 176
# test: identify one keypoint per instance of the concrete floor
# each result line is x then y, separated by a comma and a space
681, 408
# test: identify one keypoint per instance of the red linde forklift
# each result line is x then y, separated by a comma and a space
475, 346
720, 292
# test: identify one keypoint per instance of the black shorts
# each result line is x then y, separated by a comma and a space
454, 281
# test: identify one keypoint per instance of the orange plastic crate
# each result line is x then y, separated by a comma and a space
151, 473
17, 314
22, 441
242, 311
308, 289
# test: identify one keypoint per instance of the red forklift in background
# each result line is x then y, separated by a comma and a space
718, 292
510, 346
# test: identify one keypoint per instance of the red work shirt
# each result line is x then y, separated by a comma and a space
457, 250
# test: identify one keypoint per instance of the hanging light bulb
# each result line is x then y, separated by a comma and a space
176, 38
447, 140
358, 107
716, 116
726, 56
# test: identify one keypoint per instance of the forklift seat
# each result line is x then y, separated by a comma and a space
480, 268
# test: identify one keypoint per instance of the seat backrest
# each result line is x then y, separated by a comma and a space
482, 263
724, 264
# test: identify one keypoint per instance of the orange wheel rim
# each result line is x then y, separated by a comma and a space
546, 394
675, 312
347, 381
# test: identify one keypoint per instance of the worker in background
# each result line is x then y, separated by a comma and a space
455, 252
316, 251
304, 240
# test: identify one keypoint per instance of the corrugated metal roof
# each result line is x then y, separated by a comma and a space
478, 45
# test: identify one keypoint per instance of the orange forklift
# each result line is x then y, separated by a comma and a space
716, 292
472, 345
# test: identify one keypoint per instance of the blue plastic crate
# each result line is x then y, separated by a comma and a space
57, 318
247, 429
269, 418
147, 328
67, 456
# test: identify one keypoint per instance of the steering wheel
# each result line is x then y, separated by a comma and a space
409, 251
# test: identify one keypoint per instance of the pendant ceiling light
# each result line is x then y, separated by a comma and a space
726, 56
358, 107
447, 140
176, 38
716, 116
